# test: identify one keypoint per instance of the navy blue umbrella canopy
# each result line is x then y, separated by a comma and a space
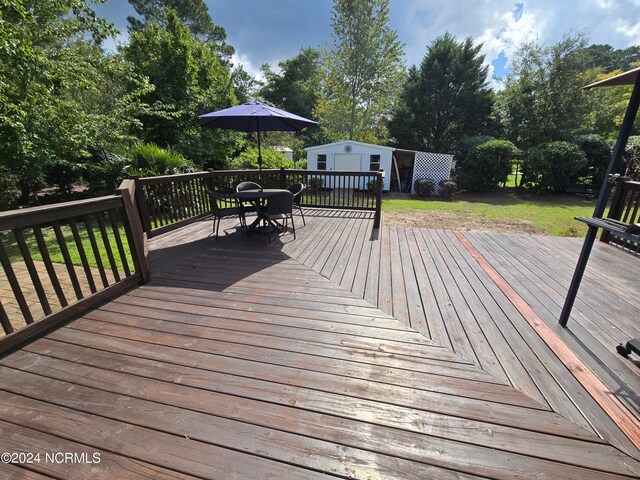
255, 117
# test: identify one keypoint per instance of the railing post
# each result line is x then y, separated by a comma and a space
141, 203
283, 178
133, 224
378, 216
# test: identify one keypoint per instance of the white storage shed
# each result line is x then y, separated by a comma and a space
351, 156
402, 167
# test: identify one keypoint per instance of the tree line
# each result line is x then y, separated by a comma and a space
71, 111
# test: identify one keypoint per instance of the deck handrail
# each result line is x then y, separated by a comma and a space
101, 244
172, 201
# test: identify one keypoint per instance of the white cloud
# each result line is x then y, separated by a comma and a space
629, 30
248, 66
502, 25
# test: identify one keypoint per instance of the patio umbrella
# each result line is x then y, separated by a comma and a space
255, 117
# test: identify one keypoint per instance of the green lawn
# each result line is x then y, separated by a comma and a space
553, 214
55, 253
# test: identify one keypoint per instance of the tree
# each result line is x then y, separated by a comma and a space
608, 59
189, 79
607, 106
542, 100
296, 88
245, 86
444, 100
363, 71
194, 14
60, 96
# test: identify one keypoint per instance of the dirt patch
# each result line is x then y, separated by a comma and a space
458, 221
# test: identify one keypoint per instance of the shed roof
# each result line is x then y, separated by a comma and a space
626, 78
350, 142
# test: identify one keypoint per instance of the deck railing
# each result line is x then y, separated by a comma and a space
61, 259
625, 206
169, 202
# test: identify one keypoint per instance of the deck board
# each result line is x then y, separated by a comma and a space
347, 352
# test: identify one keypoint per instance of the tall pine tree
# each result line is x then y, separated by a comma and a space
444, 100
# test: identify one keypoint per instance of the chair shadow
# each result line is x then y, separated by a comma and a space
195, 260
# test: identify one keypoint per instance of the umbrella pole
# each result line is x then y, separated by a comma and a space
259, 151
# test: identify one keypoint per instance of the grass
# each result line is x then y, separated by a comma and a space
553, 214
56, 254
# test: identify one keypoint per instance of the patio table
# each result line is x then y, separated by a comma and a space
258, 197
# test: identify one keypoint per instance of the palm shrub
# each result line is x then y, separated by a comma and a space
149, 160
554, 165
487, 165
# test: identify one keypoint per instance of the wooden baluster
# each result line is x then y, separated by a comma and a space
62, 243
632, 215
96, 251
4, 320
187, 200
83, 256
160, 190
107, 246
53, 276
191, 198
152, 205
116, 235
31, 268
15, 285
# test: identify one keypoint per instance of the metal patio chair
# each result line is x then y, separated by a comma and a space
220, 209
297, 189
279, 207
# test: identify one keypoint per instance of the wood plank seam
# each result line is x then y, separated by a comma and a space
592, 384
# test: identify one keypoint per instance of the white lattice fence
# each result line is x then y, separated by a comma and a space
436, 166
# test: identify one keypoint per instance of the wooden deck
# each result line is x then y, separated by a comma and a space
347, 352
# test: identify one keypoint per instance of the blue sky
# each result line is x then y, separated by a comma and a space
268, 31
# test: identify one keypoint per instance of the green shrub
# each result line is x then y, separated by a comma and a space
9, 191
248, 160
632, 157
597, 149
371, 186
106, 171
447, 188
487, 165
554, 165
469, 144
424, 187
64, 174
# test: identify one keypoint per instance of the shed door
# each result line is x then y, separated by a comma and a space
350, 162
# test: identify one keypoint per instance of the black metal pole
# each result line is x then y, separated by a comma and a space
603, 198
259, 152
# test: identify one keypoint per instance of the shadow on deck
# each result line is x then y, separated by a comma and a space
347, 352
